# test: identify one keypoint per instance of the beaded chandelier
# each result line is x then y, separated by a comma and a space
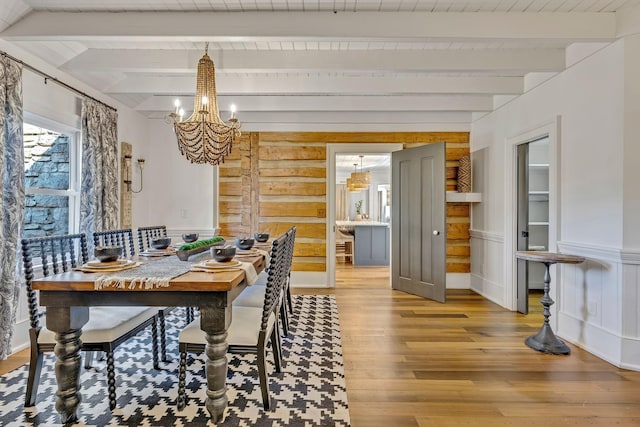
204, 137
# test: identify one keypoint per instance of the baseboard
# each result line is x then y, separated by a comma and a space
458, 281
176, 233
490, 290
596, 340
20, 339
309, 279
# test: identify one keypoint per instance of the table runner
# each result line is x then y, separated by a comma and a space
153, 274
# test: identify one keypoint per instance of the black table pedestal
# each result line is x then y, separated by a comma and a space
545, 340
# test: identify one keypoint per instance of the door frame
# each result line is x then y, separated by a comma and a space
551, 130
332, 150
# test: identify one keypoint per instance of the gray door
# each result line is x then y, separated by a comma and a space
418, 242
523, 227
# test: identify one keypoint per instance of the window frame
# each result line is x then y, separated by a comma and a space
75, 164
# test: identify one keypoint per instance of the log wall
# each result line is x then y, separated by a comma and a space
273, 180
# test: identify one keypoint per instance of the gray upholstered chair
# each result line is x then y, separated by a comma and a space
108, 327
124, 239
254, 295
251, 329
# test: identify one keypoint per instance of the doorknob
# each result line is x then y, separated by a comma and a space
524, 234
436, 233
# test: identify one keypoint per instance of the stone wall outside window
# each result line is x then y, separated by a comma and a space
46, 167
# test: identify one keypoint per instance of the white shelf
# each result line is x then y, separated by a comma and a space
453, 196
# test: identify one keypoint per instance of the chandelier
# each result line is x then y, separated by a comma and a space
204, 137
353, 186
360, 179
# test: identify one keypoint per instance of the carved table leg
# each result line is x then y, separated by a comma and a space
67, 322
214, 321
545, 340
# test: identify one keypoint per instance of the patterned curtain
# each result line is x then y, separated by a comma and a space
342, 200
99, 183
11, 195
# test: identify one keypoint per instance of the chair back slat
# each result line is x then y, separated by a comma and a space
147, 234
55, 254
122, 238
291, 240
275, 279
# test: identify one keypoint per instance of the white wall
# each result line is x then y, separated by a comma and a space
176, 193
598, 197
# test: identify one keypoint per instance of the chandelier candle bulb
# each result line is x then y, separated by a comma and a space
177, 105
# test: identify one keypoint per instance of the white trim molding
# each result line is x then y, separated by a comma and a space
487, 235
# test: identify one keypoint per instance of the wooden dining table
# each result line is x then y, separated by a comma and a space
69, 295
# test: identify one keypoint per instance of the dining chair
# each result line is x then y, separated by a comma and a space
108, 327
147, 234
345, 243
254, 295
124, 239
251, 330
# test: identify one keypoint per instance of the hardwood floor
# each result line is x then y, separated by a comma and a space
411, 362
414, 362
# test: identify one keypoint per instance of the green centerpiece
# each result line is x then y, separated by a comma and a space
188, 249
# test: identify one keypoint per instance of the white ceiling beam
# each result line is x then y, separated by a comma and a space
335, 103
320, 85
342, 117
515, 61
242, 26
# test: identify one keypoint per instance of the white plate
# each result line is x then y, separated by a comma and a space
112, 264
150, 254
215, 264
246, 251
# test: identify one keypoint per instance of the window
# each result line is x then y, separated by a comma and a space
52, 201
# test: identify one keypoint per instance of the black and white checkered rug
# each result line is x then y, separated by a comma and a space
309, 392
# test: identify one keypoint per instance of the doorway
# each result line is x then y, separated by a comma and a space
372, 222
533, 216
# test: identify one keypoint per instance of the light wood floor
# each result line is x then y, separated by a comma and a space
413, 362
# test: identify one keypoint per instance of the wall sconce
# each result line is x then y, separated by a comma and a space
127, 173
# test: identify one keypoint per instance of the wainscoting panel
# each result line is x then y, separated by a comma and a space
487, 265
598, 302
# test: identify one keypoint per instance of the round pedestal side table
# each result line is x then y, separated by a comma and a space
545, 340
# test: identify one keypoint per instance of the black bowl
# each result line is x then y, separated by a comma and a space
223, 254
261, 237
108, 253
190, 237
244, 242
161, 243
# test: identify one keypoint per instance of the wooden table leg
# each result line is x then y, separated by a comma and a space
67, 323
215, 321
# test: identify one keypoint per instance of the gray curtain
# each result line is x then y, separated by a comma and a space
11, 196
99, 183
